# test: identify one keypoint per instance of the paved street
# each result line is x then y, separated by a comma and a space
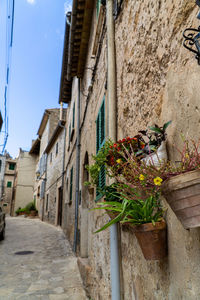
49, 273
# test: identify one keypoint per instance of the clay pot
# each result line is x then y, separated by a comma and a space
33, 213
182, 192
152, 239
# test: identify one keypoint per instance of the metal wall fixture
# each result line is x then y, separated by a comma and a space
192, 38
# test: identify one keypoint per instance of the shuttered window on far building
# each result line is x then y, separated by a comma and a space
100, 140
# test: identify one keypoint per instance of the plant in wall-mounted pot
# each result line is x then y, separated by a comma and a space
155, 148
181, 186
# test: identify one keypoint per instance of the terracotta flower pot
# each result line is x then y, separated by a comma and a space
152, 239
182, 192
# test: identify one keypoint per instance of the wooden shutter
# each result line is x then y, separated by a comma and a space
98, 133
98, 4
100, 140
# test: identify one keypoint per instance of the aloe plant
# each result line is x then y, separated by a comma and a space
133, 208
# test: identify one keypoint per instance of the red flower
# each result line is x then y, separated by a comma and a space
128, 138
111, 147
115, 145
124, 140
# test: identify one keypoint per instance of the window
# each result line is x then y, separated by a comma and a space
73, 119
51, 157
47, 202
11, 166
0, 164
98, 4
9, 184
71, 184
100, 140
56, 148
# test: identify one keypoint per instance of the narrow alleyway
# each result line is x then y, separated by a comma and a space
49, 273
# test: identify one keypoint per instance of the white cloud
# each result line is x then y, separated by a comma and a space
31, 1
67, 6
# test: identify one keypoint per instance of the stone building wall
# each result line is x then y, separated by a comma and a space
70, 162
2, 171
54, 175
24, 186
157, 81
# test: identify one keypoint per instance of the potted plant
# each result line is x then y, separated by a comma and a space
155, 148
144, 215
181, 186
136, 202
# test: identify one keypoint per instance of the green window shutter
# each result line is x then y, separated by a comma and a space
98, 4
100, 140
102, 118
71, 184
11, 166
100, 127
73, 120
98, 133
101, 181
9, 184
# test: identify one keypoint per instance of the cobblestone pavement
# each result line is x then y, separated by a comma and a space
50, 273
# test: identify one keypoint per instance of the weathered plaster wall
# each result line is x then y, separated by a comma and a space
68, 219
25, 179
157, 80
54, 174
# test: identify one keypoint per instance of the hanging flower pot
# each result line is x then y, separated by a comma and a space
157, 158
152, 239
182, 192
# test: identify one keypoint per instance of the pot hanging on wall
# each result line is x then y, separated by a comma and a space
152, 239
182, 193
157, 158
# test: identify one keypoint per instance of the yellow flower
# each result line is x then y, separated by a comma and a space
118, 160
157, 181
187, 155
141, 177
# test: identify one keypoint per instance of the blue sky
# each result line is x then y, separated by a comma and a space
35, 66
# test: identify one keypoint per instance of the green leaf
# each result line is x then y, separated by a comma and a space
117, 219
156, 129
166, 125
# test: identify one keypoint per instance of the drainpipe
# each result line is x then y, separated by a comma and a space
78, 145
112, 133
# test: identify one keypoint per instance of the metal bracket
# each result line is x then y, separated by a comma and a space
192, 40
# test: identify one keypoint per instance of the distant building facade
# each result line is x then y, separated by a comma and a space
24, 180
9, 177
47, 126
